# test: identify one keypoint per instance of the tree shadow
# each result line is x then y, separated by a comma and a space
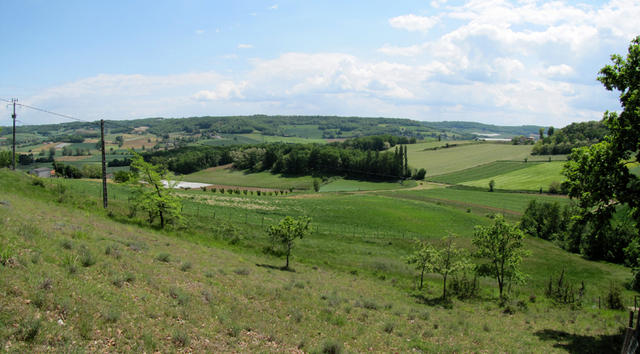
436, 301
576, 343
269, 266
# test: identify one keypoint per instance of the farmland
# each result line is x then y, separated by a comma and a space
351, 283
334, 300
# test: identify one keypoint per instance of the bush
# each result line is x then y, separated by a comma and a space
420, 174
614, 298
163, 257
555, 188
464, 287
564, 292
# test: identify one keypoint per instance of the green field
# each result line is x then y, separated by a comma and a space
285, 139
448, 160
480, 172
349, 185
231, 177
482, 202
213, 290
531, 178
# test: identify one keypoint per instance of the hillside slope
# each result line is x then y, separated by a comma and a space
72, 278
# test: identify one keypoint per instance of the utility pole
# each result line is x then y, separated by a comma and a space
104, 167
13, 157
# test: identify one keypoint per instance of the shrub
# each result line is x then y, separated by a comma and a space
614, 298
554, 187
163, 257
464, 286
37, 182
563, 291
185, 266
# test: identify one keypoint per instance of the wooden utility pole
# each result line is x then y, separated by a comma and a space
13, 156
105, 203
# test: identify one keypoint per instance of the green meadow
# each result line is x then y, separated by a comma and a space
534, 177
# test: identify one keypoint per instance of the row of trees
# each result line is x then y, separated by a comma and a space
498, 247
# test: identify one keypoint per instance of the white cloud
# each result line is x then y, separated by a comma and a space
559, 70
244, 46
273, 7
199, 31
413, 22
224, 91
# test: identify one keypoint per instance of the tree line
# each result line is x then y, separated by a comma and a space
562, 141
360, 158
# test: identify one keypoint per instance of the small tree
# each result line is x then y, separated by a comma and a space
422, 258
501, 244
284, 234
420, 174
449, 260
151, 195
492, 184
445, 261
316, 185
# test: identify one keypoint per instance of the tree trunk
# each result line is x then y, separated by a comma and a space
161, 220
444, 288
287, 265
421, 277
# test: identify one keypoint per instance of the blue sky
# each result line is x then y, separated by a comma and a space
497, 61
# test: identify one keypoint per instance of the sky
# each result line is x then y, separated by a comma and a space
491, 61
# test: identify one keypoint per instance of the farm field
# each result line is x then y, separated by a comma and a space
531, 178
457, 158
483, 202
490, 169
351, 284
228, 176
259, 138
349, 185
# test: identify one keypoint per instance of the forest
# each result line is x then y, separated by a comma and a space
361, 157
562, 141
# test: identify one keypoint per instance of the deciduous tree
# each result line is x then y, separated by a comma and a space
501, 245
151, 195
598, 176
284, 234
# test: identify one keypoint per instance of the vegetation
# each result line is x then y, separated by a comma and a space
501, 244
574, 135
597, 176
284, 234
151, 196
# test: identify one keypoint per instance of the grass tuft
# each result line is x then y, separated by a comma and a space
163, 257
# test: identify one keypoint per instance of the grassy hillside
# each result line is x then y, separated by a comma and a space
117, 284
533, 177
